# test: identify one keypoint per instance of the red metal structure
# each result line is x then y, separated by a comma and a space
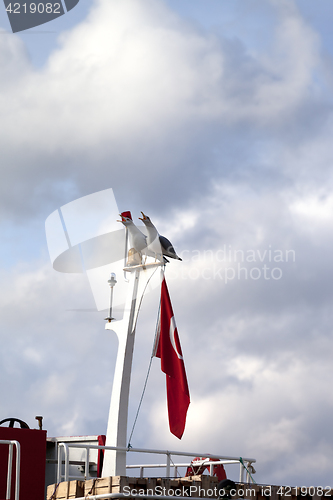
33, 459
200, 464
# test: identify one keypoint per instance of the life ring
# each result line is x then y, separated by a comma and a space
199, 464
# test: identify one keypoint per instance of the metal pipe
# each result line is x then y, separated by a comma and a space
168, 465
66, 458
59, 453
223, 461
111, 301
160, 452
66, 464
241, 472
17, 445
9, 471
86, 468
18, 469
152, 466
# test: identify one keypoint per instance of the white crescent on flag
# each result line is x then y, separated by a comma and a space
172, 336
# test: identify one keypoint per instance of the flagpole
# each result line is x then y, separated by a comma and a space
157, 329
114, 463
153, 353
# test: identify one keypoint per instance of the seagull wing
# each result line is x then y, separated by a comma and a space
167, 248
137, 239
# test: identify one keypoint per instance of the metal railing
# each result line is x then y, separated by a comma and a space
63, 449
209, 463
11, 444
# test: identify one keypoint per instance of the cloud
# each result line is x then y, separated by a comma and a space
135, 92
257, 352
228, 149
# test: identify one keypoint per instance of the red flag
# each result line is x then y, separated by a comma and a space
172, 364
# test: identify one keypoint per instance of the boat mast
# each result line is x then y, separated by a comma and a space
114, 463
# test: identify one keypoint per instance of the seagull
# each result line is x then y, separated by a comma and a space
156, 242
138, 240
153, 240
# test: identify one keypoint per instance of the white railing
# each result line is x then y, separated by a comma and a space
11, 444
63, 455
209, 463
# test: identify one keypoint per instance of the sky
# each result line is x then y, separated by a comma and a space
215, 118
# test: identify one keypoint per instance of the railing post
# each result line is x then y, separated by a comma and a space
66, 462
168, 465
66, 457
10, 467
9, 471
86, 468
59, 453
141, 471
247, 474
18, 470
241, 473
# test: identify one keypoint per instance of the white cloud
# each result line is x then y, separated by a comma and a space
258, 357
221, 142
135, 90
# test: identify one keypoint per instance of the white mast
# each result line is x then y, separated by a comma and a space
115, 461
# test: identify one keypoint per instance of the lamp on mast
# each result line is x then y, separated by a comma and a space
112, 281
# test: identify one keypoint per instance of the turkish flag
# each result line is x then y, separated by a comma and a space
172, 364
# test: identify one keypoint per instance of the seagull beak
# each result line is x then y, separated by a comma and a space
143, 217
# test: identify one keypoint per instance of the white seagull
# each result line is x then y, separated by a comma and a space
137, 239
156, 242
